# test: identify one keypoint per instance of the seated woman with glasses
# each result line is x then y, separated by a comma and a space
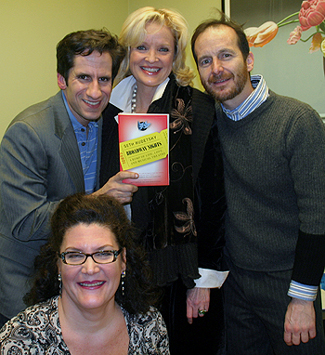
91, 289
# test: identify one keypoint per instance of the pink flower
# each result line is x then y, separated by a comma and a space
295, 35
312, 13
260, 36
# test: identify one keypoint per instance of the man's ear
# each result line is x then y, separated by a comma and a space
61, 82
250, 62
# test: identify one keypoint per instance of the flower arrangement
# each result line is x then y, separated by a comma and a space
311, 14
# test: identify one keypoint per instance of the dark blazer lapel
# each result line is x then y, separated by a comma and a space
99, 151
68, 148
203, 115
109, 163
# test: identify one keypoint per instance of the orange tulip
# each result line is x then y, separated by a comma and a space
315, 42
260, 36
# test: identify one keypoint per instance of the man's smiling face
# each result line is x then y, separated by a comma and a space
223, 71
89, 86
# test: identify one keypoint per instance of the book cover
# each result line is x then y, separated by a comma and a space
144, 147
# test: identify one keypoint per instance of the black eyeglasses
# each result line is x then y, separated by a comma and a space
99, 257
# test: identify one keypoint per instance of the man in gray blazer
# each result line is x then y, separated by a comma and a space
50, 151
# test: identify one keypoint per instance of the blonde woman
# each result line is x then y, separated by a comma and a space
181, 224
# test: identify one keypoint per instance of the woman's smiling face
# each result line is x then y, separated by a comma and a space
151, 62
90, 285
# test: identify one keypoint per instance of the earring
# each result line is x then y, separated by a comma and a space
60, 284
122, 282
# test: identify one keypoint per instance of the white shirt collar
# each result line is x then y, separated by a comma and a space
253, 101
122, 93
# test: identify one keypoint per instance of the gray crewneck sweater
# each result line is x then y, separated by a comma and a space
274, 161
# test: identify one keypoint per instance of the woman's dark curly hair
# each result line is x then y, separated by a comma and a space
139, 291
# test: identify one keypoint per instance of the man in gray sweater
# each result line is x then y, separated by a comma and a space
274, 161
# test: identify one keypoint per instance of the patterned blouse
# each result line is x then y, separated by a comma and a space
37, 330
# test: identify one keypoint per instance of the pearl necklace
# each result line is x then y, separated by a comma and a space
134, 99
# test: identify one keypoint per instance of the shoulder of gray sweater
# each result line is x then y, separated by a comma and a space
291, 105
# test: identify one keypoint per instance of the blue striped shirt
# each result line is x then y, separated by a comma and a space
87, 144
254, 100
303, 292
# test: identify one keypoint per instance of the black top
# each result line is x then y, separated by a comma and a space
163, 216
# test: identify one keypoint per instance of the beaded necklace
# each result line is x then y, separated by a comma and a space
134, 99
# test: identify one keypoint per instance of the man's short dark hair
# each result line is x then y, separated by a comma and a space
225, 21
84, 43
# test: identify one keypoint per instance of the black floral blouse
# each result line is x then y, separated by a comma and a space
37, 330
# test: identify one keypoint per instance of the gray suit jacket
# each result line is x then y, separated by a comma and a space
39, 166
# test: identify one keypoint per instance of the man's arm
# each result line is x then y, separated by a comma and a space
300, 321
117, 189
305, 145
34, 178
25, 171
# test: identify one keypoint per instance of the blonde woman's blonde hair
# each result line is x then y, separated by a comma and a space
134, 32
